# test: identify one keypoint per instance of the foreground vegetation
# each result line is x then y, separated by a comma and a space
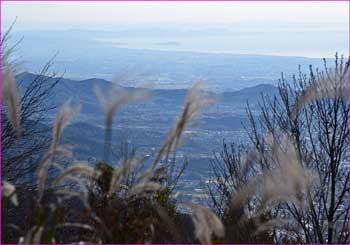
289, 185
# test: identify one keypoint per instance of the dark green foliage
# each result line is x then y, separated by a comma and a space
105, 179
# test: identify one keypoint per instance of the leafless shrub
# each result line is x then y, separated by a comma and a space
329, 83
25, 106
295, 185
269, 225
8, 50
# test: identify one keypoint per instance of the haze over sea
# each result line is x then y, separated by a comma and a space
281, 28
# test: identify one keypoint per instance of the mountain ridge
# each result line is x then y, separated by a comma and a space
25, 77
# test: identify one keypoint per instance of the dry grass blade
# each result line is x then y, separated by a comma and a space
42, 174
64, 151
76, 225
37, 235
32, 236
195, 102
206, 224
82, 196
144, 187
145, 184
65, 115
12, 99
154, 173
77, 169
9, 191
119, 173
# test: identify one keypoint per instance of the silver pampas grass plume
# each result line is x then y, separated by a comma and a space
144, 187
115, 99
9, 191
81, 169
287, 180
65, 115
12, 99
206, 224
331, 83
194, 104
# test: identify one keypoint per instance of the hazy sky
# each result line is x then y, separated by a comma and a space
312, 29
64, 15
